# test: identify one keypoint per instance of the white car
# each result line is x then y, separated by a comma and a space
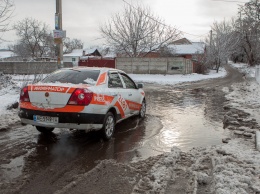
82, 98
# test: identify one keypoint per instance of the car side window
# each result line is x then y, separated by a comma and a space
114, 81
129, 83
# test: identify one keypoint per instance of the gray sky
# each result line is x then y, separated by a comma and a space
82, 18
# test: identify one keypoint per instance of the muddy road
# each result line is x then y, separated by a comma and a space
186, 115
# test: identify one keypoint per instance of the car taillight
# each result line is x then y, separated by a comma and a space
81, 97
24, 95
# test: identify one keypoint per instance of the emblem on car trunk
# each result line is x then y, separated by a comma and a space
47, 94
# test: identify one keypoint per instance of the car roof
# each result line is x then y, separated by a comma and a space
103, 69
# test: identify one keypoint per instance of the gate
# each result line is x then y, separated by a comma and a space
97, 62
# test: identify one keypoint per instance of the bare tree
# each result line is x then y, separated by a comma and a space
136, 32
35, 39
70, 44
248, 30
6, 11
221, 44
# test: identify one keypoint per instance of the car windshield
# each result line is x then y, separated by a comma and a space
73, 76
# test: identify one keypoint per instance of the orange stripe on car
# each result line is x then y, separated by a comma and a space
101, 99
67, 108
102, 79
133, 105
118, 105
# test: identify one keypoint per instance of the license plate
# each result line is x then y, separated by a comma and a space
46, 119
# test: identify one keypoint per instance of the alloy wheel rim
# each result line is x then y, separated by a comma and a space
143, 109
109, 126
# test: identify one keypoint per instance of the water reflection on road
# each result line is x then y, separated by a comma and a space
190, 118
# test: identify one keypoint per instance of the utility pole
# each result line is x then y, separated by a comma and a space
210, 39
59, 33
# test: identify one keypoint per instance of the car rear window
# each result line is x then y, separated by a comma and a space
73, 76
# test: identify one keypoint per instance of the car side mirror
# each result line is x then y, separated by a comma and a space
140, 86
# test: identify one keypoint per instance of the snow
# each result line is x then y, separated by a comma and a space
6, 54
75, 53
176, 79
194, 48
257, 139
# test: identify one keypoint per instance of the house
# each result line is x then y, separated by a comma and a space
187, 49
77, 54
96, 60
195, 51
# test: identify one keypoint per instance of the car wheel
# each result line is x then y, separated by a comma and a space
142, 110
108, 126
44, 129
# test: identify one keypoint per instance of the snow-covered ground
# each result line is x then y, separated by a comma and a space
176, 79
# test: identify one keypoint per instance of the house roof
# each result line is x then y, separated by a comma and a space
193, 48
182, 41
79, 52
74, 53
6, 54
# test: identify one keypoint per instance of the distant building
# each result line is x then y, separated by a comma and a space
7, 55
77, 54
185, 48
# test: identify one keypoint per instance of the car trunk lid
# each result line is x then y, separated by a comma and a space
51, 95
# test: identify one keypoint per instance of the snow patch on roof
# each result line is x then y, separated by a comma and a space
6, 54
194, 48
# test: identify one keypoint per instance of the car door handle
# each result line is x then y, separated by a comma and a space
130, 94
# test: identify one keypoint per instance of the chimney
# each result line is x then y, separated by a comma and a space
84, 52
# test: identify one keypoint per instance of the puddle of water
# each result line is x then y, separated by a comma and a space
191, 118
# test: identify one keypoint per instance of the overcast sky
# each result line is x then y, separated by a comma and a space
82, 18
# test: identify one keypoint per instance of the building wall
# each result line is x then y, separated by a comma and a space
69, 59
172, 65
30, 67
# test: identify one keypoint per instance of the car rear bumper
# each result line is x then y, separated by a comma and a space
66, 120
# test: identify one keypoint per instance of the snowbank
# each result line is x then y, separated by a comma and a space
176, 79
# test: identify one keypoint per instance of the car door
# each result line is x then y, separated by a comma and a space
117, 90
132, 96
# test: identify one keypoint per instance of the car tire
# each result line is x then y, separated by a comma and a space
44, 129
142, 110
108, 128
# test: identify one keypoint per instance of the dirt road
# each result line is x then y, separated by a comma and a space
75, 162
